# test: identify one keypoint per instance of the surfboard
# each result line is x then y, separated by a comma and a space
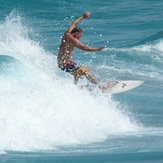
123, 86
116, 87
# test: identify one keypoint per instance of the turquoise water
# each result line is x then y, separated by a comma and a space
44, 117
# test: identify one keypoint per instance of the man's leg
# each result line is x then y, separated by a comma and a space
91, 78
83, 71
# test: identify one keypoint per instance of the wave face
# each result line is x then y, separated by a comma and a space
43, 112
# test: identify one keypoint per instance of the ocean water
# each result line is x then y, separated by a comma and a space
44, 117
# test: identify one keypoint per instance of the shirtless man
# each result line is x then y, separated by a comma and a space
69, 41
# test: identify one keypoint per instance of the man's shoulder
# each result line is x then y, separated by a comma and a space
67, 34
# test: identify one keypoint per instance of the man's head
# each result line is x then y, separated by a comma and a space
77, 32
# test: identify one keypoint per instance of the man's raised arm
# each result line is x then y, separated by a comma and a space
75, 22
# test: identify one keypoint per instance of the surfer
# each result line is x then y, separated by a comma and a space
69, 41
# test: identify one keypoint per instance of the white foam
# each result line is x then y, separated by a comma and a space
41, 109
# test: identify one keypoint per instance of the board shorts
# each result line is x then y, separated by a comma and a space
70, 68
75, 69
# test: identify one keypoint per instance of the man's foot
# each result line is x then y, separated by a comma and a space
104, 86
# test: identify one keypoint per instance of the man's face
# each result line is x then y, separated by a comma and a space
77, 35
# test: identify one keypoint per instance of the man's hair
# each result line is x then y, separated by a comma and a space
76, 29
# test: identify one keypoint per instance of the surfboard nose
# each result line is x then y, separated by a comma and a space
124, 86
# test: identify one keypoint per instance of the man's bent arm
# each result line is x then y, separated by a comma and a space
81, 46
90, 49
75, 22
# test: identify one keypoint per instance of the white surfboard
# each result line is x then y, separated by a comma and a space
123, 86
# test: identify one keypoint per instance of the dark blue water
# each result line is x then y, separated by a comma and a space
44, 117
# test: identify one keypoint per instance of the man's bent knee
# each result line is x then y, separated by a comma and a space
80, 72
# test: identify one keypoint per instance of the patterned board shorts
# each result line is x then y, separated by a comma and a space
71, 68
76, 70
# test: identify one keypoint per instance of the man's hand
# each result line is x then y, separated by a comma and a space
86, 14
100, 48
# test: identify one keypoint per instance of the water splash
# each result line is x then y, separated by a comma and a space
39, 109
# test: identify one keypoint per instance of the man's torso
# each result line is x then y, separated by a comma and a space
65, 51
